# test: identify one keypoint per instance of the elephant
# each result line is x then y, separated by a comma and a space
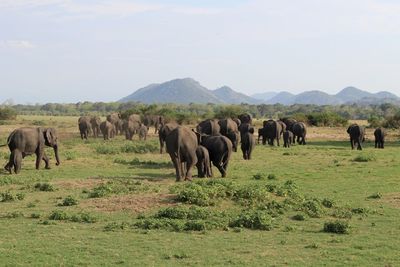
181, 144
209, 127
357, 135
130, 128
95, 122
85, 127
203, 162
152, 120
299, 130
220, 149
143, 132
271, 131
159, 123
260, 134
379, 134
246, 118
287, 138
135, 117
283, 127
119, 127
238, 121
114, 118
229, 129
289, 123
247, 140
27, 141
164, 132
107, 129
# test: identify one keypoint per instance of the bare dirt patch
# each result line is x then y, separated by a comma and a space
393, 199
133, 203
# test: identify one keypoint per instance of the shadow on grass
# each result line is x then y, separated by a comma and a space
149, 164
346, 144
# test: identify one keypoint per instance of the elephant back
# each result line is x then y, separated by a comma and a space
289, 123
246, 118
299, 128
209, 127
134, 117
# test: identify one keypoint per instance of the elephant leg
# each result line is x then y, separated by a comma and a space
10, 164
39, 156
189, 165
359, 147
46, 161
383, 144
277, 140
17, 161
376, 144
177, 167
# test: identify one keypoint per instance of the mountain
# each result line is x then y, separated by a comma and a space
352, 94
264, 96
284, 98
316, 98
227, 95
182, 91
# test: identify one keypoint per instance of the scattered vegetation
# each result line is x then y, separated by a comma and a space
44, 187
337, 227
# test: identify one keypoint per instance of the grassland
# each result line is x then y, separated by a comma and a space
86, 211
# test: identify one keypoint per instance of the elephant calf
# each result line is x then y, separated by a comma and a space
379, 137
247, 140
287, 138
107, 129
143, 132
85, 127
203, 162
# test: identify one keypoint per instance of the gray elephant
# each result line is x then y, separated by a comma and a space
357, 135
135, 117
283, 127
95, 122
85, 127
107, 129
287, 138
380, 134
160, 122
229, 129
220, 149
289, 123
164, 131
27, 141
299, 130
247, 140
152, 120
130, 128
114, 119
209, 127
181, 144
260, 134
271, 131
238, 121
203, 162
143, 132
246, 118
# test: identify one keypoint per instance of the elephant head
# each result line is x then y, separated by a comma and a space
50, 137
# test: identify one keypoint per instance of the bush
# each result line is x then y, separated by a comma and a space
7, 113
313, 208
8, 196
69, 201
183, 212
326, 119
364, 158
44, 187
299, 217
253, 219
337, 227
251, 195
58, 215
328, 203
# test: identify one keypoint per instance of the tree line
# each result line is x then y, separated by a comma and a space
387, 115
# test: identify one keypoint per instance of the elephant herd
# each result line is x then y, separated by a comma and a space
211, 142
115, 125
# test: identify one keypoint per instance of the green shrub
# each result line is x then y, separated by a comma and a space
69, 201
107, 149
8, 196
259, 176
337, 227
14, 214
84, 217
313, 208
44, 187
59, 215
35, 215
251, 195
299, 217
70, 155
272, 177
101, 191
253, 219
7, 113
328, 203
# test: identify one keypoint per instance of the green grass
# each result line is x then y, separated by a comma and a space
123, 207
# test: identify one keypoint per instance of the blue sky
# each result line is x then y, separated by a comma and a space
78, 50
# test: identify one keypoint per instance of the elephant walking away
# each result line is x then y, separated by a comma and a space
203, 162
247, 140
181, 144
357, 135
379, 134
114, 119
209, 127
85, 127
95, 122
27, 141
299, 130
107, 129
164, 131
130, 128
143, 132
271, 131
287, 138
229, 129
220, 149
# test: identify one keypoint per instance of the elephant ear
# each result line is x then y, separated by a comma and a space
50, 136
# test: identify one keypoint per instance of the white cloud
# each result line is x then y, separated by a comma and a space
19, 44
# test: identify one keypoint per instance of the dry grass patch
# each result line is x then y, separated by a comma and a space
135, 204
393, 199
79, 184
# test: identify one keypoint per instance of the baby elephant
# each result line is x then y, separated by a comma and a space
143, 132
248, 141
203, 162
287, 138
379, 137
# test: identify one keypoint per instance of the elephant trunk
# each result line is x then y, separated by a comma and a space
56, 154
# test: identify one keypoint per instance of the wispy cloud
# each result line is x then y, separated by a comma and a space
19, 44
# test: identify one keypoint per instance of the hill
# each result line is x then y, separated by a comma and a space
229, 96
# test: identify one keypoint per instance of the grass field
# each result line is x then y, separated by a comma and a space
102, 205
